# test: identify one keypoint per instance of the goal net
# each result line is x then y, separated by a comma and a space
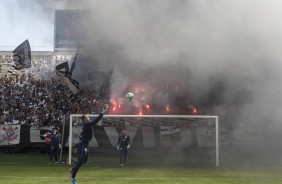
155, 139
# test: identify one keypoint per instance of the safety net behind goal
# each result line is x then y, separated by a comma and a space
155, 139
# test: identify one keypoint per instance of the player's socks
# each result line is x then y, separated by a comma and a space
73, 180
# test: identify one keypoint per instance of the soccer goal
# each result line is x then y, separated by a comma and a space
155, 139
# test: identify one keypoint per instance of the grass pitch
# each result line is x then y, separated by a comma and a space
33, 168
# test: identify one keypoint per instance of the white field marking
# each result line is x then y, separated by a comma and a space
191, 178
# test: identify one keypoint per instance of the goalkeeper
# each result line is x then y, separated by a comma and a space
85, 136
123, 145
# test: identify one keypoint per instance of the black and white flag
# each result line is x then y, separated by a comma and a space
64, 74
22, 56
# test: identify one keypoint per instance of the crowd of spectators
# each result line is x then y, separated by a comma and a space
33, 98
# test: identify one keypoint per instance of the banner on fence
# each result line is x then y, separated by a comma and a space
9, 134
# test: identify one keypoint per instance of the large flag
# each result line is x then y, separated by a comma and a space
64, 74
101, 81
22, 56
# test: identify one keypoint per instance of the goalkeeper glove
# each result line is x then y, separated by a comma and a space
128, 146
105, 108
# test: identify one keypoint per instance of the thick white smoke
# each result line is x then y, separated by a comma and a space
222, 52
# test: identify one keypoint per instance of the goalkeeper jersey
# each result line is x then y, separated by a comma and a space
123, 141
86, 134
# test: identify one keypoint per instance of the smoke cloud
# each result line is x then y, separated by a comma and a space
217, 53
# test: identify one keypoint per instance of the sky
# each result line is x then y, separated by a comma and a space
219, 52
21, 20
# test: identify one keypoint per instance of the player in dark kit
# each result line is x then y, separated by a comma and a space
123, 145
55, 145
85, 137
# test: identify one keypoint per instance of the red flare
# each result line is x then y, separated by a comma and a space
194, 110
114, 108
167, 108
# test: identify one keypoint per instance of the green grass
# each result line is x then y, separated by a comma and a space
34, 169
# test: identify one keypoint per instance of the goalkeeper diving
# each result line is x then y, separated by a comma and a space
84, 137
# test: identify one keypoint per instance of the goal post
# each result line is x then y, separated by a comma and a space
157, 139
